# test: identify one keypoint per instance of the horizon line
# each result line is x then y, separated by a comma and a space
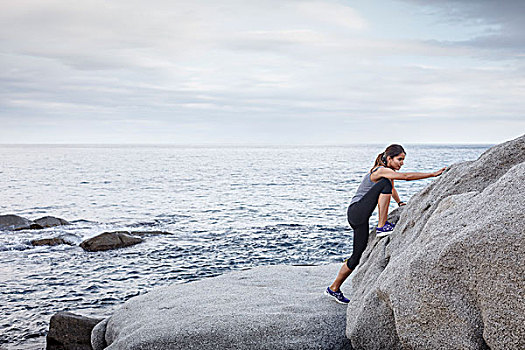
247, 144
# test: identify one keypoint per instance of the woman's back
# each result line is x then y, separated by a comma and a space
364, 187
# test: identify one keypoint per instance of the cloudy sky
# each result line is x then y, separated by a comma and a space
262, 71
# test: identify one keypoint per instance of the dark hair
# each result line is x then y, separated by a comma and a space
391, 151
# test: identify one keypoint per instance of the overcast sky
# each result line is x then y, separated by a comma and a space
262, 71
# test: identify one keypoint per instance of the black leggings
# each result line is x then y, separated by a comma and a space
358, 215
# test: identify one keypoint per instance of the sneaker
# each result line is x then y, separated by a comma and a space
339, 297
385, 230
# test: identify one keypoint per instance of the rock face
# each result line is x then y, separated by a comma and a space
110, 240
14, 222
452, 274
51, 221
68, 331
273, 307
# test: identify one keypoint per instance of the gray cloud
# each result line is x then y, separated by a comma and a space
502, 21
297, 71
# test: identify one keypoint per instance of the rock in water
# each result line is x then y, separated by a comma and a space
68, 331
271, 307
51, 221
452, 274
50, 241
14, 223
110, 240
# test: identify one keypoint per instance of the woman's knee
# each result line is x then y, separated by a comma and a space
353, 262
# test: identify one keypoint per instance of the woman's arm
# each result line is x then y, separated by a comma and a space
395, 195
393, 175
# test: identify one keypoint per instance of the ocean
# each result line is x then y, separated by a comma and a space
226, 207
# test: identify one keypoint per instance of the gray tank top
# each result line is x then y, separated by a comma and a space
364, 187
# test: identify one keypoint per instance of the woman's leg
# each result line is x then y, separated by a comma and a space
361, 211
358, 215
382, 207
343, 274
359, 245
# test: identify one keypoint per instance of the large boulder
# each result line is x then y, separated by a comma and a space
452, 274
12, 222
68, 331
273, 307
110, 240
51, 221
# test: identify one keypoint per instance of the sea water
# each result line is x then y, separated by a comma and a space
227, 208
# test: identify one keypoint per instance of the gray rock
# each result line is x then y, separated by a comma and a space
51, 221
452, 274
110, 240
12, 222
50, 241
273, 307
68, 331
98, 335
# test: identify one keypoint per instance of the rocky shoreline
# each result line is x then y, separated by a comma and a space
269, 307
451, 275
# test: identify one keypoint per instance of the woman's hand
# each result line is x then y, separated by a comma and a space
439, 172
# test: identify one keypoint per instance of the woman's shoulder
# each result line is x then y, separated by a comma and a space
376, 168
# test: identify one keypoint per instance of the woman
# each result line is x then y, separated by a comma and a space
377, 188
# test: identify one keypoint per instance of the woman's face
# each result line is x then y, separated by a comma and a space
397, 162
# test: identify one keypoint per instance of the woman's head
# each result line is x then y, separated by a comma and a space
393, 157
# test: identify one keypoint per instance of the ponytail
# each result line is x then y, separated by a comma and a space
390, 151
379, 161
